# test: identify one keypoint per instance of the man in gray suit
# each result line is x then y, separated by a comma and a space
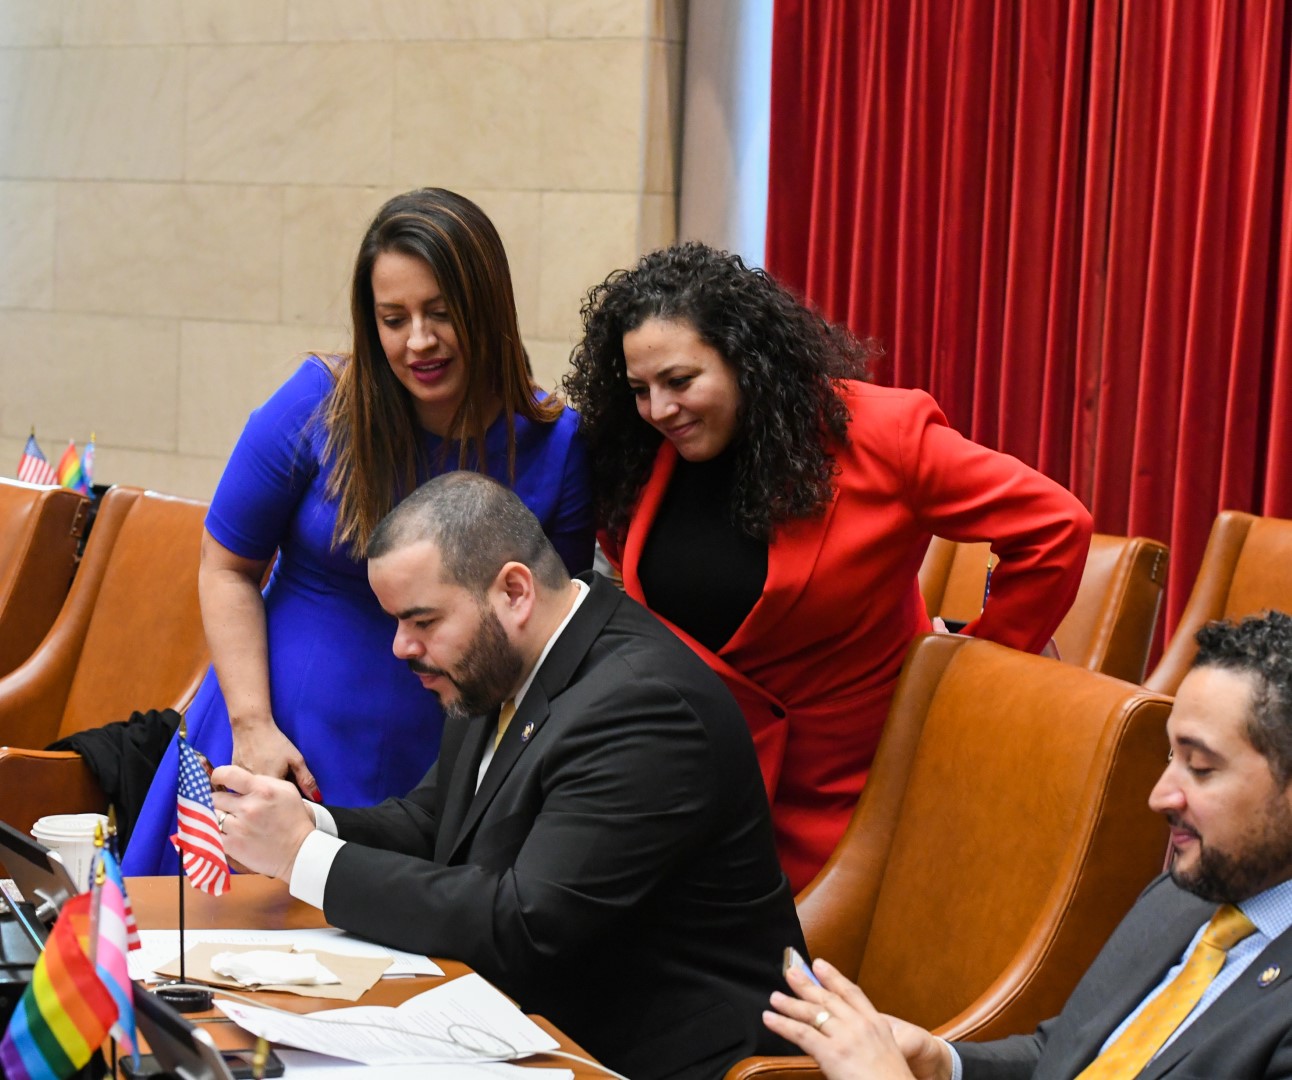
594, 839
1226, 793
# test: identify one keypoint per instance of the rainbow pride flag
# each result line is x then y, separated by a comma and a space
65, 1012
70, 473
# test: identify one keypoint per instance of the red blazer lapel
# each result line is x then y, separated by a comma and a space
644, 517
791, 557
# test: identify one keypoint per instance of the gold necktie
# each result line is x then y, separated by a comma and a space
1149, 1031
505, 714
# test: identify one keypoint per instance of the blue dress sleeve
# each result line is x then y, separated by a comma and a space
572, 530
271, 466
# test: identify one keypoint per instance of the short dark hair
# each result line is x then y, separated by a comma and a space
1262, 646
477, 525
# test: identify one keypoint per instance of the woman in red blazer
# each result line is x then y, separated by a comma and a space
773, 508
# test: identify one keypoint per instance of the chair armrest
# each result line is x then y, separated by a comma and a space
800, 1068
34, 695
34, 783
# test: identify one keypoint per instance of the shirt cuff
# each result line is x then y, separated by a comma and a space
323, 819
314, 860
957, 1069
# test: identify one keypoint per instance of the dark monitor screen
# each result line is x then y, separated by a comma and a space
38, 872
179, 1046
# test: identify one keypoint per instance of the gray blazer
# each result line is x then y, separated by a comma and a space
1245, 1033
616, 871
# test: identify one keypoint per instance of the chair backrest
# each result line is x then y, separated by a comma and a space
1246, 569
1109, 627
1002, 835
39, 530
130, 633
144, 645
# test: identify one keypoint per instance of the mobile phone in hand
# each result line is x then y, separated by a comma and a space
792, 959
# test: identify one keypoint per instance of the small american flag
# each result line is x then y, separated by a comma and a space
33, 467
198, 839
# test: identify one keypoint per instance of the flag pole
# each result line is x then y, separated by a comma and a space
98, 875
175, 994
104, 840
179, 880
96, 891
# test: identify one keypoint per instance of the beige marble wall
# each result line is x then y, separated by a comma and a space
183, 184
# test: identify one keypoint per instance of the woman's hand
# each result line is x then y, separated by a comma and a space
233, 616
837, 1025
264, 750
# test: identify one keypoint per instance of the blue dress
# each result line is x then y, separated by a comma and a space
363, 722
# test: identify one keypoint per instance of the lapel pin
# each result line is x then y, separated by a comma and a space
1268, 976
527, 732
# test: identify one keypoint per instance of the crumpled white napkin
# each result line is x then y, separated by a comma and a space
263, 967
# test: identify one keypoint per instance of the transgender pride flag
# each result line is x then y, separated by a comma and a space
115, 924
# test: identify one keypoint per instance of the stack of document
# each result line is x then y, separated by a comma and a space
461, 1022
159, 947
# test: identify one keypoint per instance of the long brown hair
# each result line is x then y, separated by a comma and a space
373, 438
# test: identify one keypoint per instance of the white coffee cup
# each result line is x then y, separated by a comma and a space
72, 836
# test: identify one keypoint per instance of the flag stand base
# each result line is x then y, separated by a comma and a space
185, 999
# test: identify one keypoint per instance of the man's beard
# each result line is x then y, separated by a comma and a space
1225, 877
485, 676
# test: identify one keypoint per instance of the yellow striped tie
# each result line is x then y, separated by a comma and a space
505, 714
1149, 1031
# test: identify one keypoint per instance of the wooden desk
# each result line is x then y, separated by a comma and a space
261, 903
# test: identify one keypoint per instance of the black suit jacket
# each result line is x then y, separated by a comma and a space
1245, 1033
615, 872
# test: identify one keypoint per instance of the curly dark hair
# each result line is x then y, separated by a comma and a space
1261, 645
787, 360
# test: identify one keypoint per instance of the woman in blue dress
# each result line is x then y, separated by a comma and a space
303, 683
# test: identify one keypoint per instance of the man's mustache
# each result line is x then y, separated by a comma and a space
426, 669
1176, 822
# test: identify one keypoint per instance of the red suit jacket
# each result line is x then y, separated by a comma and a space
814, 664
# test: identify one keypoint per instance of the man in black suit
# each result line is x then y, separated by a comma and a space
610, 864
1227, 795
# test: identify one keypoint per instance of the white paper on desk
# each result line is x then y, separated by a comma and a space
159, 947
463, 1020
303, 1065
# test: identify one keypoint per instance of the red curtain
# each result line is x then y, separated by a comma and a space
1066, 220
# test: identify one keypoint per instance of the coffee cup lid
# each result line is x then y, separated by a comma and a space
67, 825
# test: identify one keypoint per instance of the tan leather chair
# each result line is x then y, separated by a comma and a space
40, 528
1003, 834
129, 637
1109, 627
1246, 569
